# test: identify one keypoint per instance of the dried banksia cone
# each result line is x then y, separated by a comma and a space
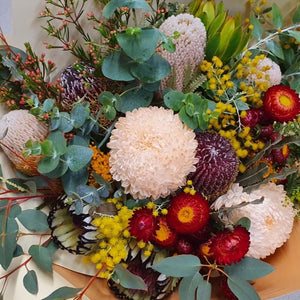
217, 165
18, 127
78, 81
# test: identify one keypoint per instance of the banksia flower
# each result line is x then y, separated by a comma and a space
217, 165
190, 47
21, 127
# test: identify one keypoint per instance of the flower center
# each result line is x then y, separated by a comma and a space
162, 233
186, 214
285, 101
270, 222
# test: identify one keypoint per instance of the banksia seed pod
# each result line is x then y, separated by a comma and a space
16, 128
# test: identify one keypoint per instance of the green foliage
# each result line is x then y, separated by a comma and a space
178, 266
245, 222
8, 241
30, 282
127, 279
276, 16
226, 36
249, 268
257, 28
112, 5
63, 293
34, 220
192, 108
41, 256
242, 289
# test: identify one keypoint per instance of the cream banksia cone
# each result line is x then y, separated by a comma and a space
16, 128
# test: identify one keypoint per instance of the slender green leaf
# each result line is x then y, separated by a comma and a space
296, 17
63, 293
30, 282
127, 279
276, 16
204, 290
41, 256
257, 28
249, 268
242, 289
295, 34
34, 220
275, 49
188, 286
178, 266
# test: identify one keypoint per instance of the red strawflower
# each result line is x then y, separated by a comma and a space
143, 224
230, 246
164, 236
281, 103
183, 246
281, 155
188, 213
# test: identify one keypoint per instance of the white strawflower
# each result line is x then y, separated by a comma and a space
152, 152
271, 221
269, 70
190, 46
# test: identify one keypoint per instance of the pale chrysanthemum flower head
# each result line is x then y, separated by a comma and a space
269, 70
190, 46
271, 221
152, 152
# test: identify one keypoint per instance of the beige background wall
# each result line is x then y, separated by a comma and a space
26, 24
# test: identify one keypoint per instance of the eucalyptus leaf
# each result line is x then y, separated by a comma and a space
30, 282
77, 157
134, 99
48, 105
249, 268
152, 70
79, 114
41, 256
89, 194
48, 164
188, 286
242, 289
190, 122
66, 123
58, 141
204, 290
275, 49
127, 279
116, 66
63, 293
174, 100
276, 16
178, 266
257, 28
112, 5
245, 222
296, 17
139, 45
34, 220
71, 180
295, 34
8, 240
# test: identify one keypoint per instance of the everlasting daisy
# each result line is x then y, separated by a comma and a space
152, 152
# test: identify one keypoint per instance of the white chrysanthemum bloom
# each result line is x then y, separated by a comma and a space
152, 152
271, 221
190, 46
270, 71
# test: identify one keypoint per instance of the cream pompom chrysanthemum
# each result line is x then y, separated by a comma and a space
271, 221
152, 152
190, 46
267, 71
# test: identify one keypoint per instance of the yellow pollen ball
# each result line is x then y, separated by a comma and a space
185, 214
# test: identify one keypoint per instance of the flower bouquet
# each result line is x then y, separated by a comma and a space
166, 155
